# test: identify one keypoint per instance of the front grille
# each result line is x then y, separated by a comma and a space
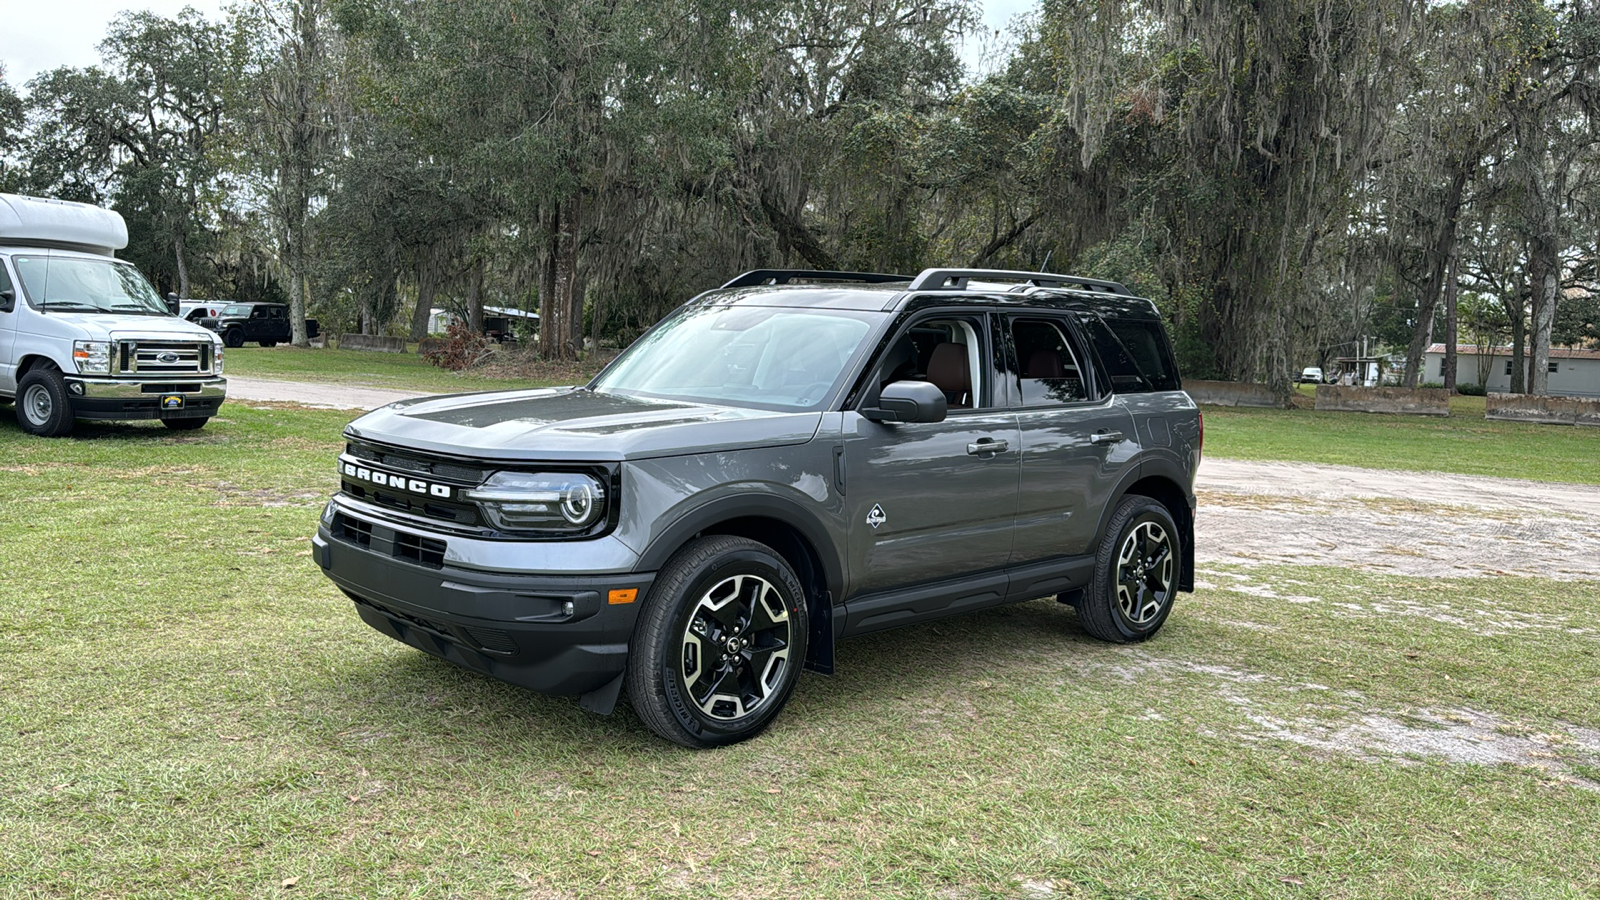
163, 358
418, 464
450, 512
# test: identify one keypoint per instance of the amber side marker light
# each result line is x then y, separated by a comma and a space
626, 595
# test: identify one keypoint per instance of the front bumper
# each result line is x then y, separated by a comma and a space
104, 398
548, 632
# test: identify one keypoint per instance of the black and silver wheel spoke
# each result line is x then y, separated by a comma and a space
735, 647
1144, 572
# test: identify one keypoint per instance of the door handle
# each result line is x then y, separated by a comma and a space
1105, 437
987, 447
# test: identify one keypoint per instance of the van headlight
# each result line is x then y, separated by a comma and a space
92, 357
216, 356
550, 502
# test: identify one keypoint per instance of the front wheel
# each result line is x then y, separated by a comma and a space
1135, 573
185, 424
233, 337
42, 405
719, 644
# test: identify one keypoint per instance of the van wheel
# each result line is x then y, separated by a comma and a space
233, 337
185, 424
1135, 573
42, 404
719, 644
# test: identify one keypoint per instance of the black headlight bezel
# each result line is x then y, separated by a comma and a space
610, 478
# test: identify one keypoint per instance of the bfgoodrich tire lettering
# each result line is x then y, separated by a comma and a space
719, 644
43, 407
1135, 573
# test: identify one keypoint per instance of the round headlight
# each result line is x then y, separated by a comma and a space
578, 506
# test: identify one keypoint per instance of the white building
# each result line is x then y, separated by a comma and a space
1573, 373
439, 320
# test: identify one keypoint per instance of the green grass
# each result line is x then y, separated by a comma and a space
191, 710
1464, 443
360, 368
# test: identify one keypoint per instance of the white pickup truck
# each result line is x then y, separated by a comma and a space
83, 335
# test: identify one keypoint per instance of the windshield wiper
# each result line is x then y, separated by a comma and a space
69, 304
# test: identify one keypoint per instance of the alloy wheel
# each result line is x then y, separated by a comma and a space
1144, 573
735, 647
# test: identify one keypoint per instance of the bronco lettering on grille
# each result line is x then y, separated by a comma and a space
397, 482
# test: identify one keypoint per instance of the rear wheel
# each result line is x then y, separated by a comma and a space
233, 337
185, 424
719, 644
1135, 573
42, 404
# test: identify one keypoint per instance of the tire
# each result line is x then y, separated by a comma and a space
233, 337
43, 407
1136, 572
185, 424
268, 343
726, 614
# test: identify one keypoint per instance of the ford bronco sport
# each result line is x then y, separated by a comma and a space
794, 459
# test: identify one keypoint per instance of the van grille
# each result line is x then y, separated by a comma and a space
164, 358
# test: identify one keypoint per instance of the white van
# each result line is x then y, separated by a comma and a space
84, 335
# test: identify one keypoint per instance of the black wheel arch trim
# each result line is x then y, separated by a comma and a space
820, 648
1169, 470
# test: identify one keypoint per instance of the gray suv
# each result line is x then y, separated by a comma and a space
793, 459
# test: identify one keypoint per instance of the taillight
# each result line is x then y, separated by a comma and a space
1200, 445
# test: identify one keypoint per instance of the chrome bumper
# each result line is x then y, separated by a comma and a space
109, 389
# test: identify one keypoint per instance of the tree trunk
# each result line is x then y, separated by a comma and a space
297, 305
475, 297
426, 291
1519, 341
1451, 289
561, 311
1439, 256
179, 252
1545, 270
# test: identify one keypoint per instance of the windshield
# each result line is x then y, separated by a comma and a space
237, 311
742, 356
71, 284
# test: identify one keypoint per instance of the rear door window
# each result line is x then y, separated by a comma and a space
1048, 369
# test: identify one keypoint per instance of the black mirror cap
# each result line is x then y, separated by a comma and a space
172, 304
909, 401
8, 299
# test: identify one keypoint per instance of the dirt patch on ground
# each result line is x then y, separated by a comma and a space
1402, 523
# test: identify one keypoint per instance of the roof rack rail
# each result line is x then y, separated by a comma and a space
784, 276
956, 280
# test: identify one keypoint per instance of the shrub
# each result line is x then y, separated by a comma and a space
461, 348
1431, 384
1472, 390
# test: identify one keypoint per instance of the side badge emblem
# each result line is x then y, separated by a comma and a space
876, 517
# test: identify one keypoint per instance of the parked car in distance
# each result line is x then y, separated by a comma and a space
83, 335
794, 459
265, 323
1311, 375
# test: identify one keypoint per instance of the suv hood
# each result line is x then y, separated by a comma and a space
575, 424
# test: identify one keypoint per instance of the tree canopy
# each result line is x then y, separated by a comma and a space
1287, 181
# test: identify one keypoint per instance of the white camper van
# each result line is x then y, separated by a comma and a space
84, 335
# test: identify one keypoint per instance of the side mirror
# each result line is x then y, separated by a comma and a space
909, 401
172, 303
8, 299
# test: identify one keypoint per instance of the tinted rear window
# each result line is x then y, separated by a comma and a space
1135, 354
